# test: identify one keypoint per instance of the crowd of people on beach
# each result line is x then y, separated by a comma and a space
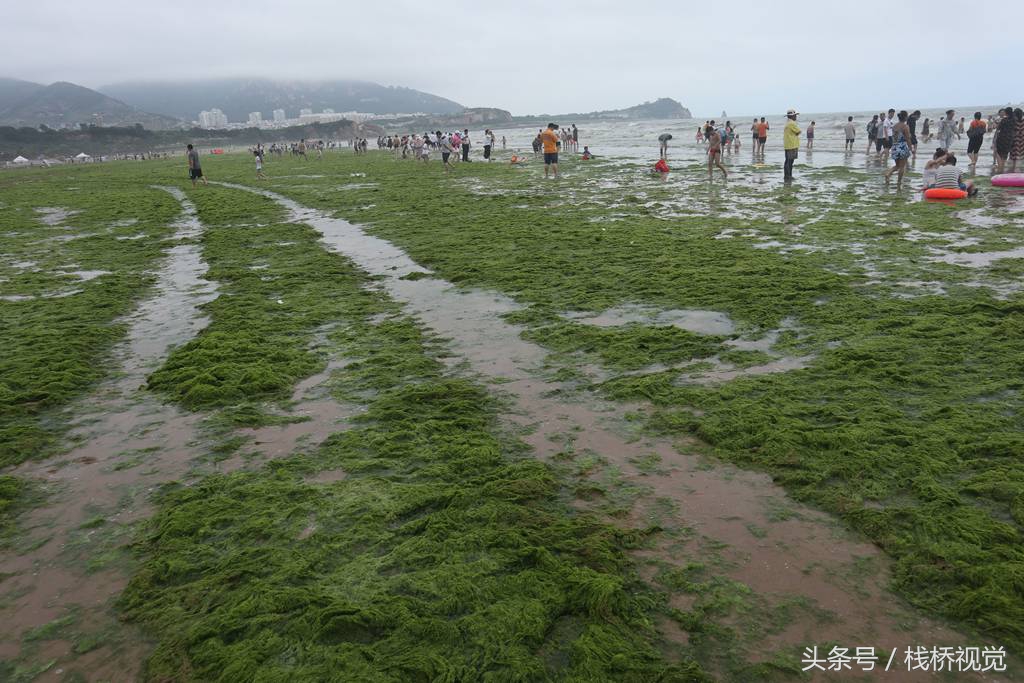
891, 135
453, 146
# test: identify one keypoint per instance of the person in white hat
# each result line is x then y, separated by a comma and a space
790, 142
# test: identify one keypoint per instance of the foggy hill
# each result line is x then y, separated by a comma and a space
236, 97
62, 104
13, 91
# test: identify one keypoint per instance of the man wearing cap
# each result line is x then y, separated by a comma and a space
790, 142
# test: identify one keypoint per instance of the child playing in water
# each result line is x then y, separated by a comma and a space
930, 168
587, 156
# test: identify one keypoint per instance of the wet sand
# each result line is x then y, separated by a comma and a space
802, 554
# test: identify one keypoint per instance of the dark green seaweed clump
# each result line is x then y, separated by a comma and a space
907, 425
56, 329
418, 544
443, 553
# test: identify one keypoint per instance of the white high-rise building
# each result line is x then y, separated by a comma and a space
255, 118
213, 118
305, 112
279, 115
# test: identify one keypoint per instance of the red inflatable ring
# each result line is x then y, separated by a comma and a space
944, 193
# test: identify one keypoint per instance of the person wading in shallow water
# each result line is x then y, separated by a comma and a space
762, 135
790, 143
195, 170
900, 149
663, 146
549, 140
715, 152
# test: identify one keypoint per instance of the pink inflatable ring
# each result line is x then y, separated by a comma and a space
1008, 180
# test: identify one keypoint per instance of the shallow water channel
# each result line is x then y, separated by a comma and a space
802, 554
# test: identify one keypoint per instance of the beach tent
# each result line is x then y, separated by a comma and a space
82, 155
20, 160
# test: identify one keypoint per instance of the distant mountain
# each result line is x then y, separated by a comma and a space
236, 97
13, 91
663, 108
66, 104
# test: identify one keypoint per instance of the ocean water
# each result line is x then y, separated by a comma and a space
637, 141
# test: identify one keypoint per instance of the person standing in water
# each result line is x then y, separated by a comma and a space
762, 135
195, 169
1004, 138
900, 151
851, 133
947, 129
488, 141
715, 143
975, 137
465, 144
790, 143
887, 125
549, 140
1017, 151
872, 130
810, 136
912, 123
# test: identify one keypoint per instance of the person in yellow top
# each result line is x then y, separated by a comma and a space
549, 138
790, 142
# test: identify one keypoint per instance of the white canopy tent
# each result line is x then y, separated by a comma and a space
82, 155
20, 160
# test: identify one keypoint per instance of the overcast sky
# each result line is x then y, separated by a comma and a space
547, 57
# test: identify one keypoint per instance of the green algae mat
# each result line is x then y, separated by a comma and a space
869, 361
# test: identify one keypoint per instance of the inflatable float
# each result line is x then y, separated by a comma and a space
944, 193
1008, 180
